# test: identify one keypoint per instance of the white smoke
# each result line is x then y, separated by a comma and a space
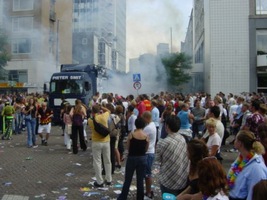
149, 23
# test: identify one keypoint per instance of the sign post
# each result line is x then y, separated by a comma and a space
137, 82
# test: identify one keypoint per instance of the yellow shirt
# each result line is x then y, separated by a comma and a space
103, 119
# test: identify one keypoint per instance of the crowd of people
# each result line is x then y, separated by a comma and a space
183, 134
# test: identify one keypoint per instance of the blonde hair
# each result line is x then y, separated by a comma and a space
248, 139
211, 122
133, 102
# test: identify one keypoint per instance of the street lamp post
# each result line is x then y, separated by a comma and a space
57, 45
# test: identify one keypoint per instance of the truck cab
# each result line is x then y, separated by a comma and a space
71, 83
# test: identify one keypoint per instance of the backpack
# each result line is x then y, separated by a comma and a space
77, 120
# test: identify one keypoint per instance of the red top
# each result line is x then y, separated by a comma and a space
141, 107
147, 104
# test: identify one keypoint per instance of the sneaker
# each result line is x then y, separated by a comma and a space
118, 166
45, 143
108, 183
34, 146
98, 185
117, 171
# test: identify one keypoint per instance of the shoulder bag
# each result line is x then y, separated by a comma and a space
101, 129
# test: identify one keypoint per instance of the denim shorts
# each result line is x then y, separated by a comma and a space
149, 162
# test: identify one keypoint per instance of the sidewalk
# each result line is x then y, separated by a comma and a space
51, 172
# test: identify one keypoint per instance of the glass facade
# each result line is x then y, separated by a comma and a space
261, 42
261, 7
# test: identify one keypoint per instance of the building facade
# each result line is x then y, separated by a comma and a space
38, 31
99, 33
227, 39
163, 49
258, 44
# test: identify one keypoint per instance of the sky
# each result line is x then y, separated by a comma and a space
149, 22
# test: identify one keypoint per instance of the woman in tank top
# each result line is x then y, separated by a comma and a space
137, 145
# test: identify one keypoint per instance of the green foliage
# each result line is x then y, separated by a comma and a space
176, 66
4, 56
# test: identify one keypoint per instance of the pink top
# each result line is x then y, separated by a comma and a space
67, 119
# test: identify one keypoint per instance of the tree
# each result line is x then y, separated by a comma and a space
4, 56
177, 66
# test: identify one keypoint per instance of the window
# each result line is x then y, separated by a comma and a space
261, 7
18, 75
67, 86
22, 24
21, 45
84, 54
261, 42
84, 41
22, 5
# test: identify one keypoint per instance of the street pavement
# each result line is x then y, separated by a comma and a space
52, 172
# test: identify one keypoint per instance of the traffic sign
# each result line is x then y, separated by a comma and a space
136, 77
137, 85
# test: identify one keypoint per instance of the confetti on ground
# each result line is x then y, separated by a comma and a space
91, 183
78, 164
105, 198
88, 194
40, 196
168, 196
69, 174
64, 188
133, 188
62, 198
7, 183
28, 158
117, 191
103, 188
84, 189
118, 186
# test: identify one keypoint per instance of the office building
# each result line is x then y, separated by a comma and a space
99, 33
40, 40
163, 49
229, 45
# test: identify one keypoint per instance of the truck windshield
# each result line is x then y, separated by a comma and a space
67, 86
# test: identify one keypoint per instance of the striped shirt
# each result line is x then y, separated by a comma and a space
171, 153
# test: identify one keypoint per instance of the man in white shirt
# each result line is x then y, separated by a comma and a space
131, 119
155, 116
151, 132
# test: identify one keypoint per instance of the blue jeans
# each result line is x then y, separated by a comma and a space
149, 163
31, 126
18, 123
138, 164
